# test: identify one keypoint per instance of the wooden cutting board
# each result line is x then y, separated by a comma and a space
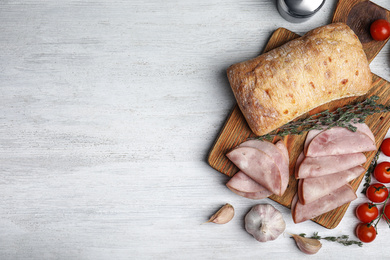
358, 15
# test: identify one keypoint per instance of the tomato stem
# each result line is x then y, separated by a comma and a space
381, 215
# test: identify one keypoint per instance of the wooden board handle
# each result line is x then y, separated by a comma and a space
359, 15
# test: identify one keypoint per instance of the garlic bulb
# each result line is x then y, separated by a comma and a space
307, 245
223, 215
264, 222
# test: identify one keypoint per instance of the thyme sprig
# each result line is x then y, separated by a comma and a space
344, 116
370, 170
343, 239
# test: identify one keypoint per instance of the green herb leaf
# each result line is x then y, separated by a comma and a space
343, 239
343, 117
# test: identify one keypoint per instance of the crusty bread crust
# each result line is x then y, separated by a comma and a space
325, 64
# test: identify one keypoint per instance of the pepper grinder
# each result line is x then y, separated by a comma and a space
297, 11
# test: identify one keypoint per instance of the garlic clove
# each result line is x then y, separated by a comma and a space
223, 215
264, 222
307, 245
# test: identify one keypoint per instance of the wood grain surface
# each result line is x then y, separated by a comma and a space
236, 130
359, 14
108, 109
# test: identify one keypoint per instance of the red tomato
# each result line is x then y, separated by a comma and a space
382, 172
377, 192
367, 212
365, 232
380, 30
386, 212
385, 147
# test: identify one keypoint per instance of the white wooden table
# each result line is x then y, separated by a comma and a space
107, 112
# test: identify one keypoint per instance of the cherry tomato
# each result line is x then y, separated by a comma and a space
382, 172
367, 212
385, 147
380, 30
377, 192
365, 232
386, 212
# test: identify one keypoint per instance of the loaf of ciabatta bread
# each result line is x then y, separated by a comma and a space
325, 64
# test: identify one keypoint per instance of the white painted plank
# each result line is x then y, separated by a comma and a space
107, 112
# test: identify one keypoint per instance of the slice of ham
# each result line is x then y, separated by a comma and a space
298, 162
309, 137
252, 195
362, 127
302, 212
278, 152
271, 150
243, 185
285, 171
258, 166
324, 165
311, 189
339, 140
283, 148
